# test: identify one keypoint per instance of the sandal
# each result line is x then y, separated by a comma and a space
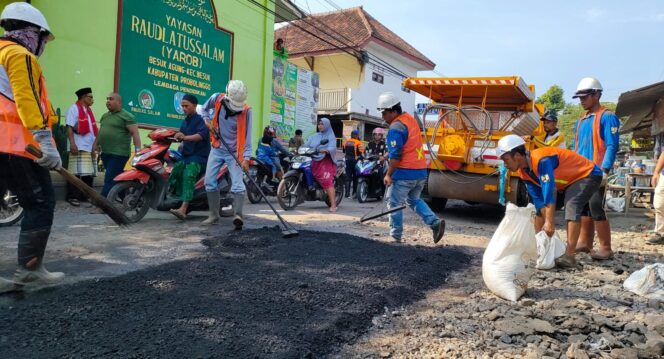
178, 214
596, 256
74, 202
333, 210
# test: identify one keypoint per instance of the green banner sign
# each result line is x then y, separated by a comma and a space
169, 48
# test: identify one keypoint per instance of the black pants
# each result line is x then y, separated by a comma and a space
351, 176
32, 185
75, 193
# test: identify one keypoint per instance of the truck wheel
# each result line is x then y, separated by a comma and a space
437, 204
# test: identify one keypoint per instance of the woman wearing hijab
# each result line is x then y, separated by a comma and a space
323, 167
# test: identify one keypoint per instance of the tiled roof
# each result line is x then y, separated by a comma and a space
347, 29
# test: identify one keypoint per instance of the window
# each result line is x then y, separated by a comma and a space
377, 77
406, 90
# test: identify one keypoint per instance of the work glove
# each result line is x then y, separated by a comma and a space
50, 155
605, 179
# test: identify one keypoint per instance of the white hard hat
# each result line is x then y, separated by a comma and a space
508, 143
237, 94
386, 101
587, 86
28, 13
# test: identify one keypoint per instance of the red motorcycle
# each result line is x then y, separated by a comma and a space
146, 185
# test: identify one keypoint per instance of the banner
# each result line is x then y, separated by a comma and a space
169, 48
294, 99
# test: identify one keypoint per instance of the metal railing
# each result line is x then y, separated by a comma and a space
331, 100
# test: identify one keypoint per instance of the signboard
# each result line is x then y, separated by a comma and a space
294, 99
169, 48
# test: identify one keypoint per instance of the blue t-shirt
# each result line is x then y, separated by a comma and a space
545, 194
397, 136
195, 151
609, 132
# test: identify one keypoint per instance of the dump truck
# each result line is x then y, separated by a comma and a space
461, 128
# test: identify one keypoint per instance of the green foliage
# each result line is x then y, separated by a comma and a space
553, 98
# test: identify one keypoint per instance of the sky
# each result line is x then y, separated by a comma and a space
546, 43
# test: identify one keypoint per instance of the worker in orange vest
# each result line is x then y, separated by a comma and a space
407, 168
546, 172
597, 139
25, 118
231, 123
353, 149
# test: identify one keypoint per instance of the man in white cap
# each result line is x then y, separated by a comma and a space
26, 119
596, 138
231, 123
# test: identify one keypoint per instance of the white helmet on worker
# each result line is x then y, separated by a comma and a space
508, 143
237, 94
587, 86
386, 101
378, 131
25, 12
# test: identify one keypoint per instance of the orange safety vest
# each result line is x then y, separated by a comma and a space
241, 127
413, 151
13, 134
571, 166
599, 146
356, 147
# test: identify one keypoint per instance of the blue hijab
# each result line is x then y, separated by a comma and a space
328, 134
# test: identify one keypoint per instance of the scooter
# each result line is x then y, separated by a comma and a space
10, 210
369, 173
262, 174
146, 185
299, 185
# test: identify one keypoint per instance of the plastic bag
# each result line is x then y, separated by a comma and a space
548, 249
505, 265
647, 282
616, 204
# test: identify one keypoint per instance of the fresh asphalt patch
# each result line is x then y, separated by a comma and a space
252, 295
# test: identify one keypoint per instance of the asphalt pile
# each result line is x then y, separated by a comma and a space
253, 294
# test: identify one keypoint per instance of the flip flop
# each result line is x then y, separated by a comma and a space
333, 210
596, 256
177, 213
74, 202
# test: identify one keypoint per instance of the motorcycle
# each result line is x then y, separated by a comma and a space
146, 185
10, 210
299, 185
369, 179
262, 174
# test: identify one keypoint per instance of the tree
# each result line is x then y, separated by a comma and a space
553, 99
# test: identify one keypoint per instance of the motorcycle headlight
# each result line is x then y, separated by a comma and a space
296, 165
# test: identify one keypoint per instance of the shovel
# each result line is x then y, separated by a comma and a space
95, 198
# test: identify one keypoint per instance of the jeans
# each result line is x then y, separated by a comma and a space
408, 191
351, 176
216, 159
658, 205
32, 185
114, 165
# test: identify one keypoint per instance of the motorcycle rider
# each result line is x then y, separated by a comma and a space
231, 122
195, 138
377, 146
324, 167
277, 148
26, 119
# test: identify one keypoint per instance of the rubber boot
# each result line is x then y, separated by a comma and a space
604, 237
37, 276
586, 237
238, 205
213, 203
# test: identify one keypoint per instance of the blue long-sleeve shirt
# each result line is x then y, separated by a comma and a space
545, 194
608, 130
195, 151
397, 136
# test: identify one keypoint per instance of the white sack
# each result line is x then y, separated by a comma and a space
647, 282
548, 249
505, 266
